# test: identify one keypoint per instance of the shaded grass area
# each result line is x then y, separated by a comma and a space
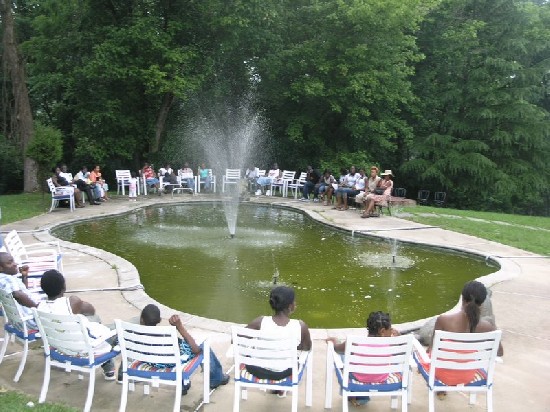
16, 402
531, 233
23, 206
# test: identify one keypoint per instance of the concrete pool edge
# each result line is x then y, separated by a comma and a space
128, 276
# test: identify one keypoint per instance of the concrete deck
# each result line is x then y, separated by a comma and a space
521, 302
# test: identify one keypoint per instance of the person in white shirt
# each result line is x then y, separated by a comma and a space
282, 301
273, 174
347, 189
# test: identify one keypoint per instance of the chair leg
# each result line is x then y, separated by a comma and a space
206, 371
46, 383
177, 401
4, 346
90, 396
431, 401
345, 407
124, 394
328, 384
294, 398
309, 380
23, 361
489, 399
236, 397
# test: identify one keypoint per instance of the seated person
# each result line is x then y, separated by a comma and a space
378, 325
150, 178
251, 175
372, 198
346, 189
466, 320
312, 179
150, 316
10, 283
84, 184
273, 174
281, 300
371, 183
170, 181
59, 180
205, 177
186, 176
53, 284
101, 187
325, 188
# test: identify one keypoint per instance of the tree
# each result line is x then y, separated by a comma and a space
20, 117
482, 132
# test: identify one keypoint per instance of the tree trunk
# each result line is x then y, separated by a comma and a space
21, 115
167, 101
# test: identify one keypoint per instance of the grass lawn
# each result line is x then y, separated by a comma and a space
23, 206
17, 402
530, 233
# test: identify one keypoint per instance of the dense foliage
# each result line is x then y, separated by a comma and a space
452, 95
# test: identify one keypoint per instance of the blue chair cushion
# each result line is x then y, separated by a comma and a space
247, 377
480, 377
393, 382
80, 360
164, 372
33, 333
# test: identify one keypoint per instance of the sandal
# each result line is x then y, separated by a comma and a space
364, 216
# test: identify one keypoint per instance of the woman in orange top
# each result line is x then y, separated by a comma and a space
100, 189
467, 320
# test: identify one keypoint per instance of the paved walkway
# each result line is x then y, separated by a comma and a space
521, 302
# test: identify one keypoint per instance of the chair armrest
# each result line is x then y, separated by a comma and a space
420, 351
101, 339
334, 356
302, 359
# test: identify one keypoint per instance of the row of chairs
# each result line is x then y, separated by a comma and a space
123, 181
424, 197
68, 345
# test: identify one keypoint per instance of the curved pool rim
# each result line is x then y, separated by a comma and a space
128, 275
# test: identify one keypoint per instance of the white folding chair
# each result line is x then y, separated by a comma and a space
15, 326
386, 360
61, 193
37, 256
151, 354
257, 348
470, 357
298, 184
231, 177
202, 181
283, 182
68, 345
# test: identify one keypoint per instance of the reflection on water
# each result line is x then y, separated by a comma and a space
187, 261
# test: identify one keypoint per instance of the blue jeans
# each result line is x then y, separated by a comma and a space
216, 371
307, 188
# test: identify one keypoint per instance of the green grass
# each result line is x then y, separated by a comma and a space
23, 206
17, 402
531, 233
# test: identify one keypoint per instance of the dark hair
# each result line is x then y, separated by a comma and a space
474, 294
52, 283
280, 298
150, 315
376, 321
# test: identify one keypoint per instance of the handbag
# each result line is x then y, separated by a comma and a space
379, 191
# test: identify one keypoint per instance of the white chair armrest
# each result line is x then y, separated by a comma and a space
334, 356
420, 351
101, 339
302, 359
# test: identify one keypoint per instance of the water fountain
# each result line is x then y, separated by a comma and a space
231, 138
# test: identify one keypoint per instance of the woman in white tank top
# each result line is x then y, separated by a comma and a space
283, 304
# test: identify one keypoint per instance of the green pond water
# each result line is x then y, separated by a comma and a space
187, 261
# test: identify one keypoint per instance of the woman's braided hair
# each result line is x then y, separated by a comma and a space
474, 294
377, 321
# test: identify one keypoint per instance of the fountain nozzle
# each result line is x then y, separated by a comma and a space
232, 235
